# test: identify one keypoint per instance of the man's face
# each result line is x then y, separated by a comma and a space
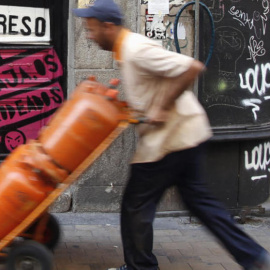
97, 31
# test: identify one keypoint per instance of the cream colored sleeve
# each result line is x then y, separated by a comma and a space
155, 60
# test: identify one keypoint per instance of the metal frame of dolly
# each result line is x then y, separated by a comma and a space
43, 206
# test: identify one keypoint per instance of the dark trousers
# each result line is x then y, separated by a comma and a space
146, 185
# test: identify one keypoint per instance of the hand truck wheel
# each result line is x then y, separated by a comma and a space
29, 255
50, 235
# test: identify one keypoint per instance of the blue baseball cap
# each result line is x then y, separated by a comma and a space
102, 10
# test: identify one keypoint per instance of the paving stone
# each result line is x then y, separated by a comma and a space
182, 245
175, 266
231, 266
86, 259
172, 253
206, 266
218, 250
216, 258
176, 245
168, 233
198, 251
74, 267
83, 233
69, 237
115, 239
163, 239
163, 260
84, 245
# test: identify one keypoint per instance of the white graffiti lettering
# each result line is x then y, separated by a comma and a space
264, 17
256, 49
254, 178
252, 103
258, 159
257, 18
252, 78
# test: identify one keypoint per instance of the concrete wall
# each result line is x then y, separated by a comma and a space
100, 188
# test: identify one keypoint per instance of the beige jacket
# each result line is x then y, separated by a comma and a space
147, 71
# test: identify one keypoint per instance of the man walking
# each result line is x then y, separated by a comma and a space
170, 145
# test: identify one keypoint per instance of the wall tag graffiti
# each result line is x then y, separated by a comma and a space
30, 92
258, 160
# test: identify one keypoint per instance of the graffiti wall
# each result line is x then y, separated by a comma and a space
160, 27
31, 73
254, 172
236, 88
29, 94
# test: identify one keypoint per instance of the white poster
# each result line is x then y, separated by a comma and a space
25, 25
158, 7
154, 27
85, 3
181, 31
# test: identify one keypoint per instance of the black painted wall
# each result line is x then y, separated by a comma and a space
235, 90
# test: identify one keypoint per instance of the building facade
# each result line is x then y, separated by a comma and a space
44, 54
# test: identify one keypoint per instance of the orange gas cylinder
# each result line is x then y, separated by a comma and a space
33, 155
80, 125
21, 191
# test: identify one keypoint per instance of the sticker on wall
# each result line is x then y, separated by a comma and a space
154, 27
85, 3
13, 139
158, 6
30, 93
24, 25
181, 31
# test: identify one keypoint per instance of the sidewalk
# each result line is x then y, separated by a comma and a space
92, 242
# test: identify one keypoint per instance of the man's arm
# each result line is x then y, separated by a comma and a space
159, 112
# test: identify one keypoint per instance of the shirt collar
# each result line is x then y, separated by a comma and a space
119, 44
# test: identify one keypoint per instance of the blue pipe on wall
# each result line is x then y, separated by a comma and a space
211, 49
